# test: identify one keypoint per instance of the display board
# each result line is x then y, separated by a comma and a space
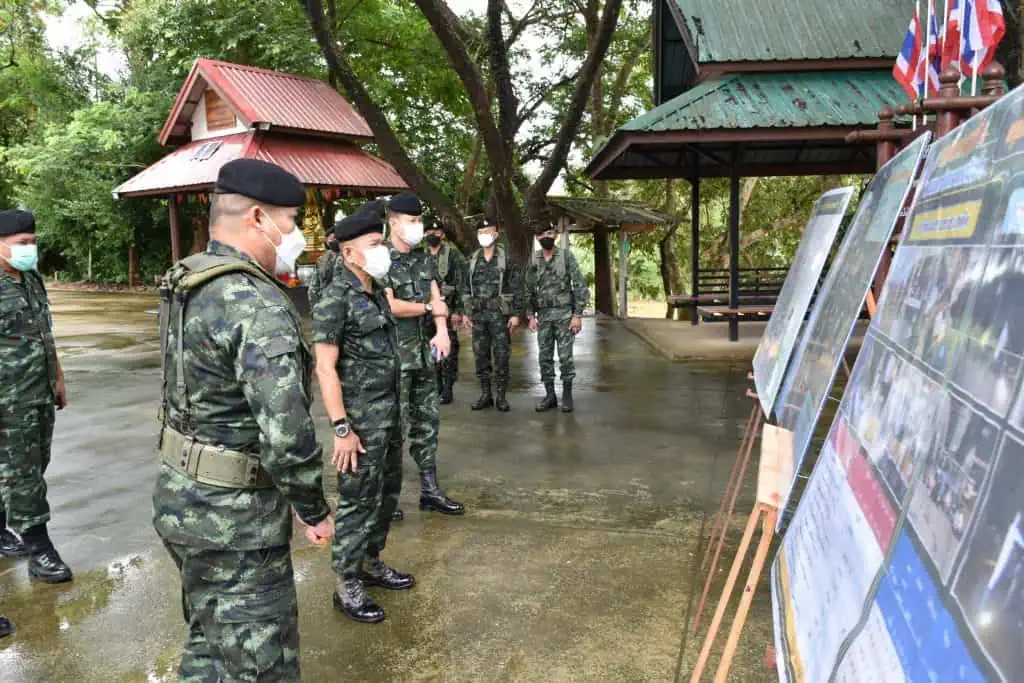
773, 352
820, 349
905, 558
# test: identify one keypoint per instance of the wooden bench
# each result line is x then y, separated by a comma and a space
756, 286
746, 312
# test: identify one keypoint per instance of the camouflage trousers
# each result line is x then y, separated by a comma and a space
25, 438
552, 333
367, 498
491, 338
421, 416
242, 614
448, 369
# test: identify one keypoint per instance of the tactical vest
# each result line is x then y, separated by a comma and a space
207, 463
563, 298
443, 264
504, 300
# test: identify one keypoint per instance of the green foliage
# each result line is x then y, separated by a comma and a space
69, 170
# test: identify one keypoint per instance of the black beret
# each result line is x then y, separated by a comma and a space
363, 221
374, 207
406, 203
540, 225
265, 182
16, 222
485, 222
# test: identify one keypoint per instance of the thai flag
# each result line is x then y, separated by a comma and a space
951, 36
930, 64
908, 60
983, 28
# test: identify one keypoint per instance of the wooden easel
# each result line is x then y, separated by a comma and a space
725, 509
774, 475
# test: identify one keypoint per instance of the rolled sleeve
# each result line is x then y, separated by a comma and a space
329, 315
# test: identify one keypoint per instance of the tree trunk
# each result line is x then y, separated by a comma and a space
133, 265
670, 281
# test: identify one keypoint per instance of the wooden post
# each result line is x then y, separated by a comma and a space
604, 300
885, 148
949, 87
734, 244
133, 265
694, 245
172, 205
623, 274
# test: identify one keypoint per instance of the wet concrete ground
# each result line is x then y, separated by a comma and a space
574, 563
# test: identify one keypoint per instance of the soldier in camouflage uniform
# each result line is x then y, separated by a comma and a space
556, 296
451, 272
415, 296
493, 299
360, 376
31, 385
324, 268
238, 447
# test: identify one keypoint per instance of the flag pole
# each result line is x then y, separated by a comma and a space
974, 74
961, 27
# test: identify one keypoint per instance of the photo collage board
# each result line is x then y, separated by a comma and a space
779, 338
820, 349
905, 558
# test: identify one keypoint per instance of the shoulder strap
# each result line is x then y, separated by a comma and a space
442, 262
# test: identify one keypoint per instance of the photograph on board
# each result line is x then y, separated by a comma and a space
990, 582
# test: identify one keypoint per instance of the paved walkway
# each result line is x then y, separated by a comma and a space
575, 562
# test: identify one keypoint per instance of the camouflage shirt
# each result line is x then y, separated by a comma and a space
28, 355
322, 275
486, 285
452, 271
409, 278
361, 325
555, 289
248, 374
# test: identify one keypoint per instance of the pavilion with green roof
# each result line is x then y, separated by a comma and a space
751, 88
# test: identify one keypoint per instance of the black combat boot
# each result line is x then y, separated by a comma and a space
350, 599
549, 401
10, 544
6, 627
433, 498
447, 393
485, 400
499, 398
398, 515
376, 573
45, 564
567, 396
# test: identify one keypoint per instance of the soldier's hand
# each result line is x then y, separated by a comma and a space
346, 452
62, 394
442, 345
533, 323
321, 533
576, 324
513, 322
441, 309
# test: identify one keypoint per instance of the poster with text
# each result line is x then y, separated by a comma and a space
773, 352
919, 489
833, 316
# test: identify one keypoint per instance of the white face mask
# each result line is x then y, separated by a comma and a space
486, 239
378, 261
291, 248
412, 233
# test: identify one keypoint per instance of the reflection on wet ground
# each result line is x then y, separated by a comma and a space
574, 563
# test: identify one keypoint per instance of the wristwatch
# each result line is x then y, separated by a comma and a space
428, 309
341, 428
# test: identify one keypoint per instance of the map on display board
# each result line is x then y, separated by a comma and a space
773, 352
820, 350
905, 558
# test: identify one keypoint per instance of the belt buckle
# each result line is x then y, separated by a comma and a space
189, 448
252, 470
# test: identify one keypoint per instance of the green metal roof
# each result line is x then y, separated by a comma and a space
609, 212
773, 30
775, 100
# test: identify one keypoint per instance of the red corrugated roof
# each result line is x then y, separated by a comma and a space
259, 96
316, 162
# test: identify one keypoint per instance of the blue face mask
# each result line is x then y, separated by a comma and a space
23, 257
